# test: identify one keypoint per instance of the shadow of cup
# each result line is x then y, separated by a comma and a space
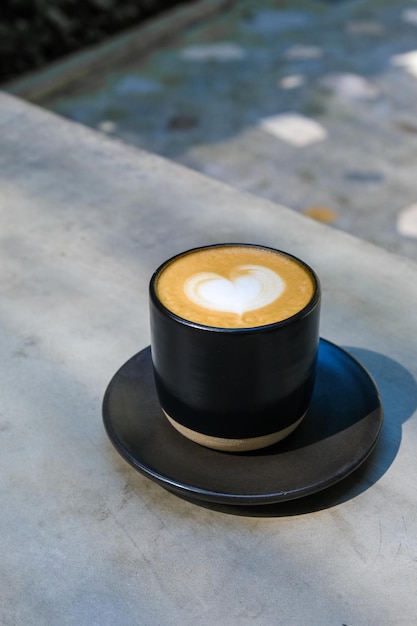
398, 392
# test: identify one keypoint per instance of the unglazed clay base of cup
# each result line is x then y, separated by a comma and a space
233, 445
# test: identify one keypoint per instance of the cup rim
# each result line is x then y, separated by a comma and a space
312, 304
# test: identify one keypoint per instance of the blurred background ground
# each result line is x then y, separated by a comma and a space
35, 32
310, 103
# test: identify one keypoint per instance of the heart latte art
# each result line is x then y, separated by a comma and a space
234, 286
249, 287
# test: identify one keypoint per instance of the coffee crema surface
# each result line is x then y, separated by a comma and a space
235, 286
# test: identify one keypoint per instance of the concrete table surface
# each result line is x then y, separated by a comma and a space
87, 540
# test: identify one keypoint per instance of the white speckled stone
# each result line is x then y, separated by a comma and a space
294, 129
408, 61
410, 16
303, 52
407, 221
350, 86
222, 51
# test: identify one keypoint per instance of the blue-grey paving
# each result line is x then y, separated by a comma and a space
344, 74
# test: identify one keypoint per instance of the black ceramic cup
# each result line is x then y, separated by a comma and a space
234, 389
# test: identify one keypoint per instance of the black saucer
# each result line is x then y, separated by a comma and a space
337, 435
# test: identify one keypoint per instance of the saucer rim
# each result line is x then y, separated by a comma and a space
193, 492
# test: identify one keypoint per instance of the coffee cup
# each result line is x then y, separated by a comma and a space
234, 342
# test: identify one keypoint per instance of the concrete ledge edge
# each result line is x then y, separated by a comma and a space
139, 40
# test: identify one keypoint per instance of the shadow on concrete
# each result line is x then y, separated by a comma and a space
398, 390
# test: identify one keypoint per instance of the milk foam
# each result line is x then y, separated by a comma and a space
249, 287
